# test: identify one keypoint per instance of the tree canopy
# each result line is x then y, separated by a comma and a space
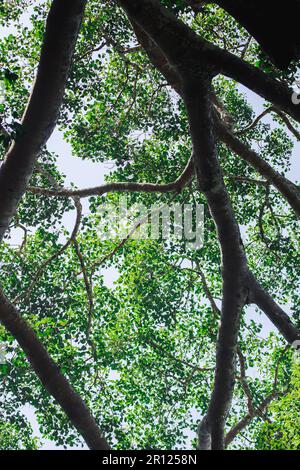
190, 347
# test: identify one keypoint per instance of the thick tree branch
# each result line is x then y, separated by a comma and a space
185, 49
277, 93
199, 107
288, 189
41, 114
51, 377
37, 124
210, 182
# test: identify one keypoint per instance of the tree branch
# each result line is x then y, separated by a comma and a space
210, 182
288, 189
277, 316
176, 185
271, 109
51, 377
185, 49
42, 111
244, 422
25, 295
198, 104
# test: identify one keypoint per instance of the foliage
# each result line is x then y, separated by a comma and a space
283, 430
143, 354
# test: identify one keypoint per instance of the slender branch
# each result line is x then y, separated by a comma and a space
120, 245
156, 346
214, 307
244, 422
275, 313
244, 382
288, 189
177, 185
255, 122
25, 295
88, 288
245, 179
256, 411
271, 109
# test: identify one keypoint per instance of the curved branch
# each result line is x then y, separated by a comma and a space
42, 111
244, 422
51, 377
24, 295
256, 121
177, 185
271, 109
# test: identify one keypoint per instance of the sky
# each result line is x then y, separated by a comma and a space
85, 173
